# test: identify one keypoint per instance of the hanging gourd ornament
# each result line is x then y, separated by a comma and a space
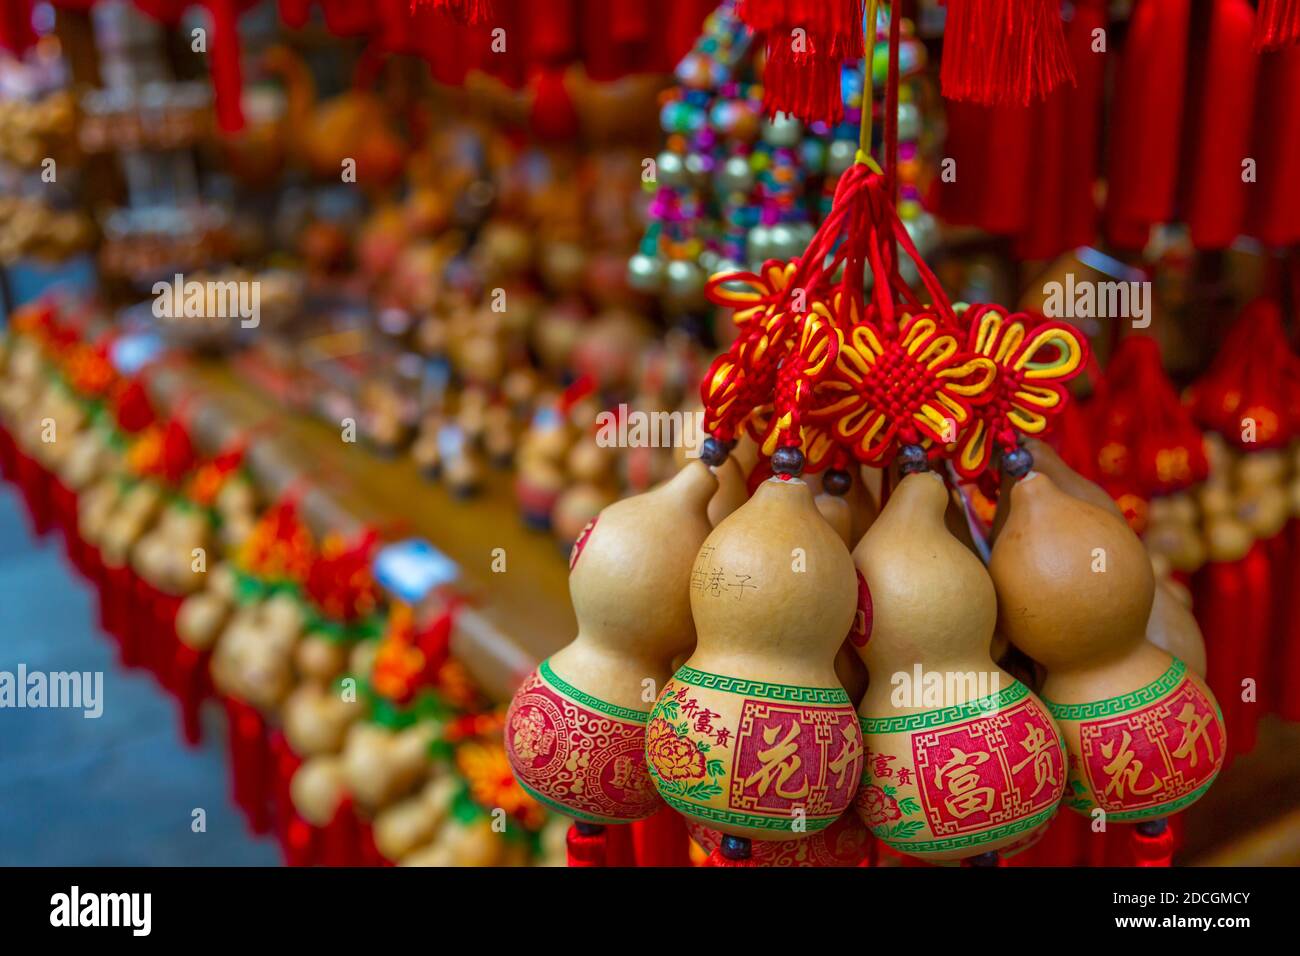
575, 731
962, 758
754, 736
1075, 589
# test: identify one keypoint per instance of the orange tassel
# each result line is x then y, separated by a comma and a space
1004, 51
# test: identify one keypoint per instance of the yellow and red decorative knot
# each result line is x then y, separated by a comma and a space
161, 451
456, 685
736, 381
486, 769
340, 581
757, 300
917, 388
807, 362
32, 319
279, 548
89, 371
786, 345
211, 476
398, 665
145, 452
1034, 361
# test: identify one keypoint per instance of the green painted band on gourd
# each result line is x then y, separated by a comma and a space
969, 840
592, 703
943, 716
1092, 710
1147, 813
790, 693
777, 824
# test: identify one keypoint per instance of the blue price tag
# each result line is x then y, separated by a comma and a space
134, 351
413, 568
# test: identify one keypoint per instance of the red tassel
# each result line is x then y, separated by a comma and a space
8, 454
16, 33
34, 484
1216, 203
1254, 630
629, 20
369, 854
1157, 850
804, 84
1277, 24
227, 83
1145, 131
553, 116
807, 41
192, 687
341, 840
250, 763
469, 12
1060, 175
585, 849
1004, 51
1274, 215
839, 22
1287, 647
295, 13
619, 850
284, 764
1231, 606
300, 843
661, 840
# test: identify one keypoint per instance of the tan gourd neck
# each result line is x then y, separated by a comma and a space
1074, 583
933, 602
629, 583
773, 590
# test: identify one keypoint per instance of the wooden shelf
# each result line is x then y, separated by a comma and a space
517, 616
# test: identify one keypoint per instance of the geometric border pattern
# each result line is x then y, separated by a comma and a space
716, 815
973, 839
945, 715
755, 688
593, 703
1162, 810
1125, 702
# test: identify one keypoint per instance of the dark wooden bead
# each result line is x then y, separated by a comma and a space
837, 482
736, 848
912, 459
713, 452
1017, 462
787, 461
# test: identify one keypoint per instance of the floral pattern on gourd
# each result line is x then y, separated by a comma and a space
682, 764
881, 809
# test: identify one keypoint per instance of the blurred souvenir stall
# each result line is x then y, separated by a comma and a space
701, 432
